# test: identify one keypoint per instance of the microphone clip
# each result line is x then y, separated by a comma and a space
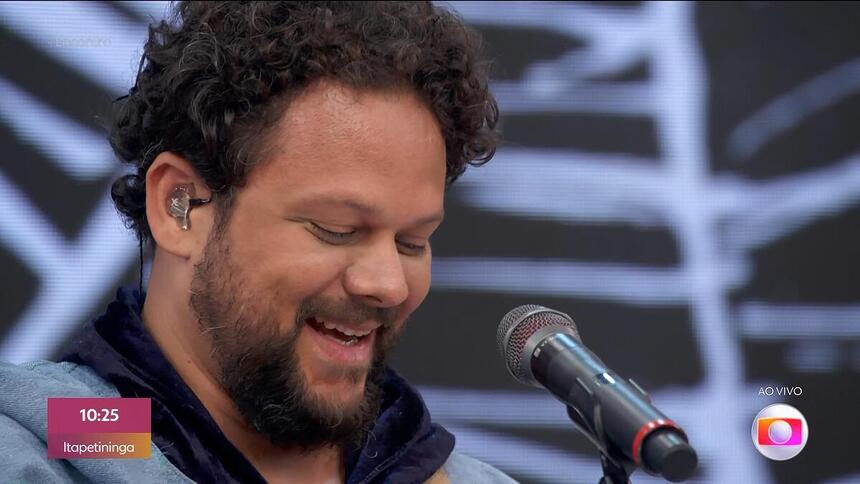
616, 467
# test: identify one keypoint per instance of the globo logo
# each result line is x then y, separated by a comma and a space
779, 431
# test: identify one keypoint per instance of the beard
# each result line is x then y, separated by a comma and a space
259, 366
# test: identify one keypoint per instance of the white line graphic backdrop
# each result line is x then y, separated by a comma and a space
717, 220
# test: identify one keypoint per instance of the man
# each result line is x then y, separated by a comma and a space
290, 166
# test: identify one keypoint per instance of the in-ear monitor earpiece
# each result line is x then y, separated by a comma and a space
181, 202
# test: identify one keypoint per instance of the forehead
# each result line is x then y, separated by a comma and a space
376, 145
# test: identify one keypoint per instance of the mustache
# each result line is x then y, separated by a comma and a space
349, 310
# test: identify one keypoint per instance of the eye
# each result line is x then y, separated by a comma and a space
411, 249
331, 236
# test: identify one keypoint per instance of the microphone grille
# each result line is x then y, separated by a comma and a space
518, 326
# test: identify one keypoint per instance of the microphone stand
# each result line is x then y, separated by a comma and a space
612, 472
616, 467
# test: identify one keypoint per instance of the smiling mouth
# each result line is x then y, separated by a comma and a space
342, 335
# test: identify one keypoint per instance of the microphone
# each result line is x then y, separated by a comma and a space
541, 347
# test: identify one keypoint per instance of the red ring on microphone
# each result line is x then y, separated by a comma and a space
647, 429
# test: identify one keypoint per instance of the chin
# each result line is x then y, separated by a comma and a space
344, 390
336, 383
340, 401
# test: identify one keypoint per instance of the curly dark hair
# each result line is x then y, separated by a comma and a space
217, 75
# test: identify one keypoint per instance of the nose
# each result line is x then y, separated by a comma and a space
376, 276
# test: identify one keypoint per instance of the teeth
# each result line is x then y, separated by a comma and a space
351, 342
346, 331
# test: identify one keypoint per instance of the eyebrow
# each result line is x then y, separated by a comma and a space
367, 210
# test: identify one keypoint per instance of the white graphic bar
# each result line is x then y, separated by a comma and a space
78, 151
89, 37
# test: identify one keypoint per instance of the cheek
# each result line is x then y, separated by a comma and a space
418, 280
284, 261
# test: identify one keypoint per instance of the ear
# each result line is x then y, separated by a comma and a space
167, 172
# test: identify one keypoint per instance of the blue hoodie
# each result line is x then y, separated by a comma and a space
115, 356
